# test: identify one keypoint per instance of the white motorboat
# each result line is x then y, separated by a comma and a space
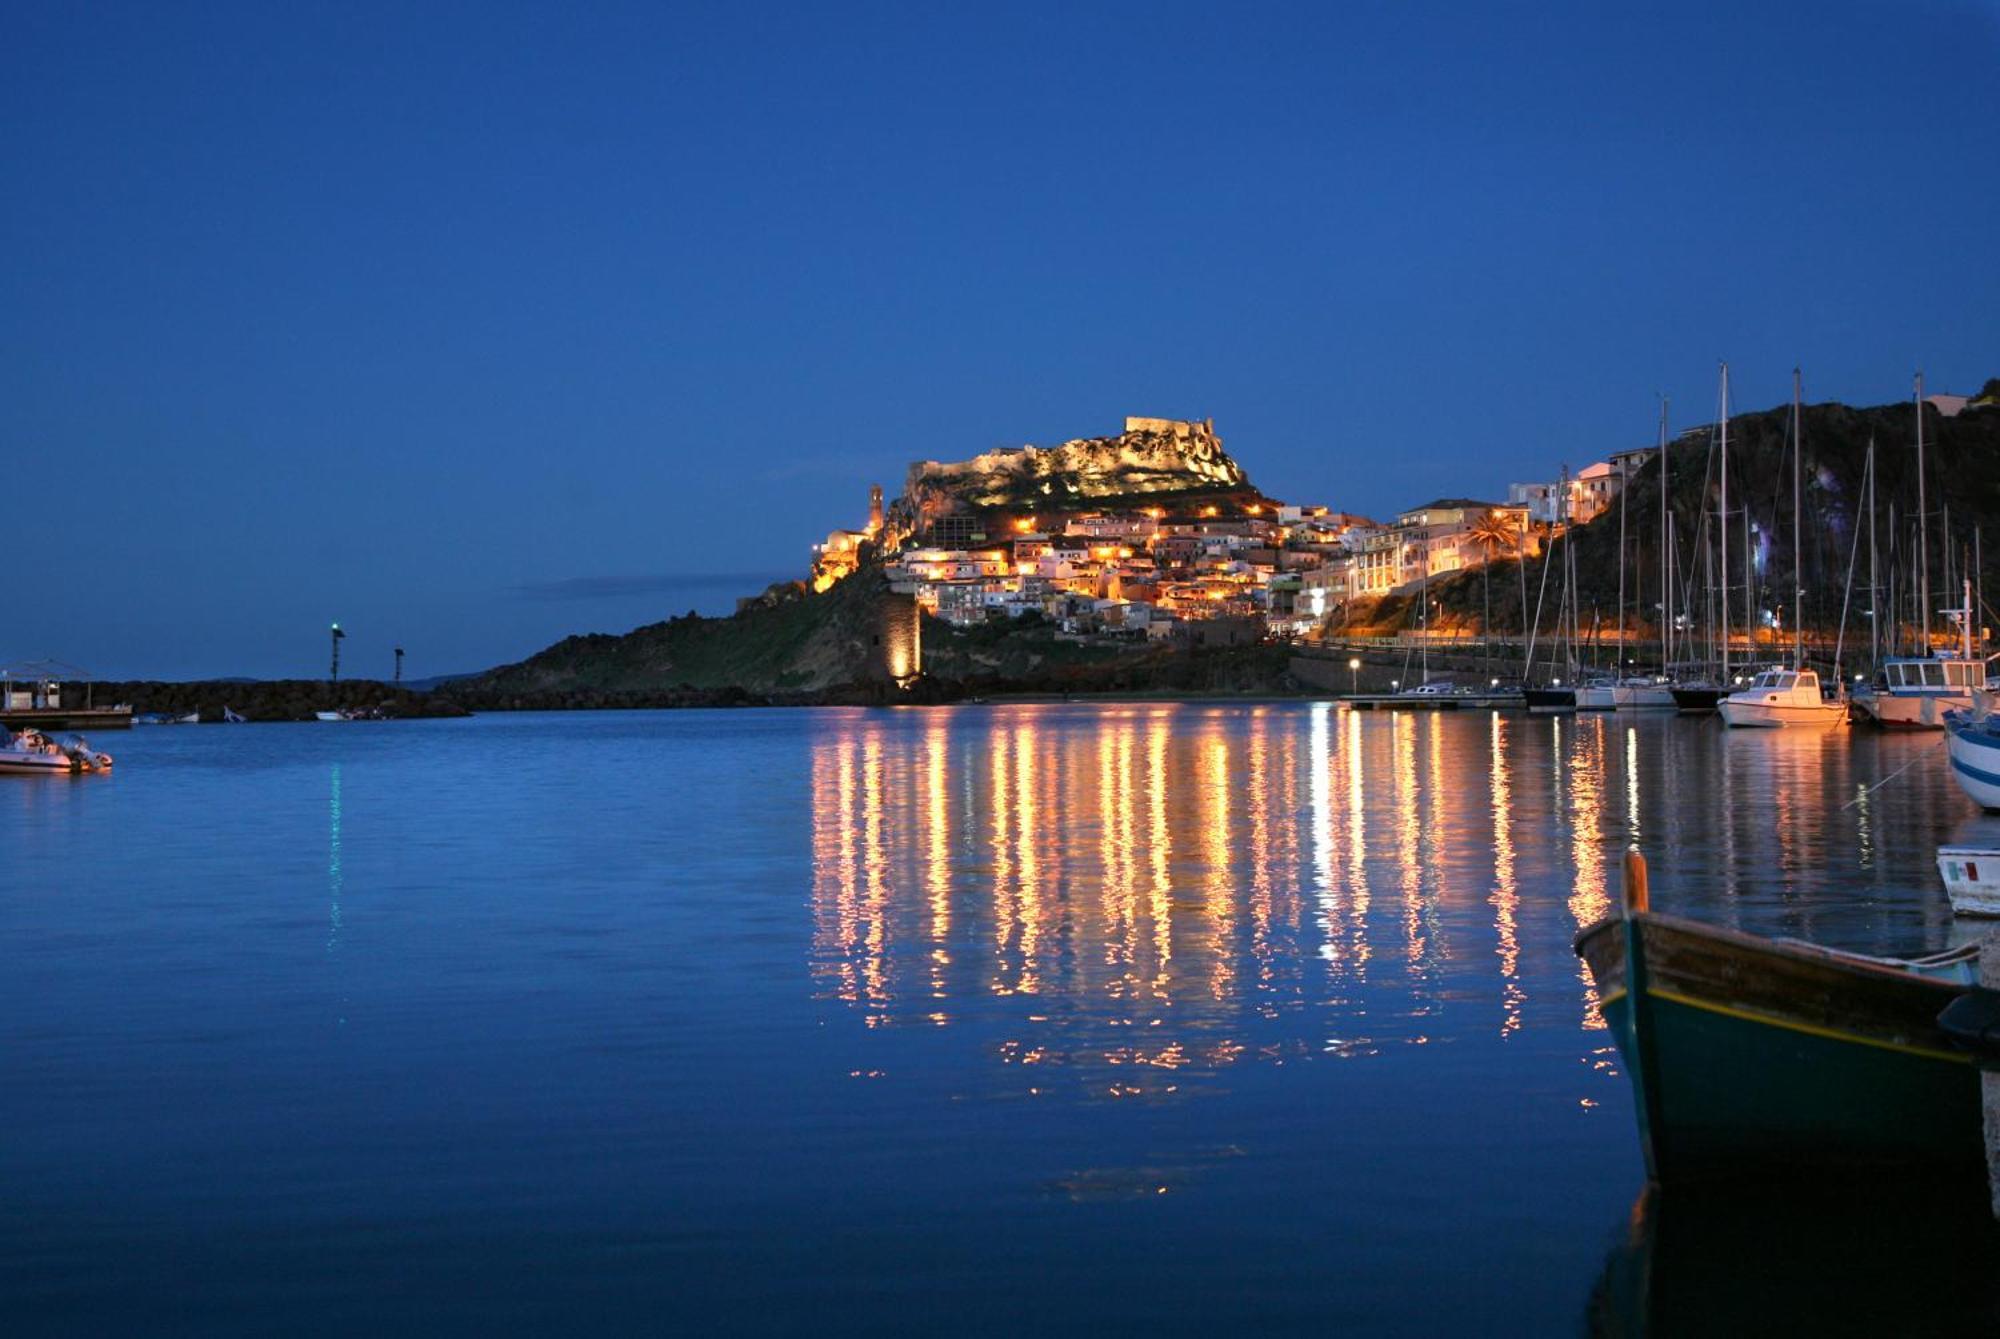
1973, 743
33, 751
1915, 692
331, 716
1972, 878
1782, 697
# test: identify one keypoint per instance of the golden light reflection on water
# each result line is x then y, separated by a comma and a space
937, 850
1157, 888
1588, 901
1506, 897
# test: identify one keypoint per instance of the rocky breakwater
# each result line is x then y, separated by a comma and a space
271, 700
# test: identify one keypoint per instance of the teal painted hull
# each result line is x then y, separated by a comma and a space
1736, 1097
1757, 1057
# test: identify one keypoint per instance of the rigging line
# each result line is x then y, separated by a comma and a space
1866, 791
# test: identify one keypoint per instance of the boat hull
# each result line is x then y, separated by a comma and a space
1596, 698
38, 764
1971, 877
1645, 697
1549, 699
1754, 1057
1975, 761
1767, 715
1695, 699
1911, 711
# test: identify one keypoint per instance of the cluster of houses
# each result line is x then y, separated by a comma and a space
1216, 570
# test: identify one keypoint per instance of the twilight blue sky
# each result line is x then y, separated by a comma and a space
475, 325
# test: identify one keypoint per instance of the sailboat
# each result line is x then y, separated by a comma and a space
1702, 694
1791, 696
1915, 692
1634, 692
1553, 696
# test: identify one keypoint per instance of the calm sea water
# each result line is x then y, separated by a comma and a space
1073, 1017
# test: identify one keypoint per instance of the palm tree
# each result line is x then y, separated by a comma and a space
1493, 531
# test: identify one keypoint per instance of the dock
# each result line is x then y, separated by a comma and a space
67, 718
1432, 702
53, 695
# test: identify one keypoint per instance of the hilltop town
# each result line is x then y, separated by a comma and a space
1156, 534
1197, 555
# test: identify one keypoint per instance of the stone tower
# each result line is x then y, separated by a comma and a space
875, 510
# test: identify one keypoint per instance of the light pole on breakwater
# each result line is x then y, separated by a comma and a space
334, 673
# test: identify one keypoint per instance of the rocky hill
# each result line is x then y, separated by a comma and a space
1962, 459
1153, 459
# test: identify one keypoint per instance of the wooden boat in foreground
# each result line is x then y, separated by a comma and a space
1758, 1057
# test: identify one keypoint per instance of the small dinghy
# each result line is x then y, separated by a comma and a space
1972, 877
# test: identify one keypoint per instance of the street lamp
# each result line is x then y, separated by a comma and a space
1354, 676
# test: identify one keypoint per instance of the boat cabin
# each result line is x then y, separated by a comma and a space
1800, 681
1933, 675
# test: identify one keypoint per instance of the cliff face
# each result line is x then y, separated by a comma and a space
1152, 456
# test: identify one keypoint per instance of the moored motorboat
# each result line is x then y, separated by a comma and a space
1782, 697
1753, 1057
32, 751
1915, 692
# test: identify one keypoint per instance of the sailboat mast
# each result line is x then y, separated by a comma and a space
1749, 588
1666, 568
1617, 665
1798, 524
1874, 578
1923, 525
1723, 517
